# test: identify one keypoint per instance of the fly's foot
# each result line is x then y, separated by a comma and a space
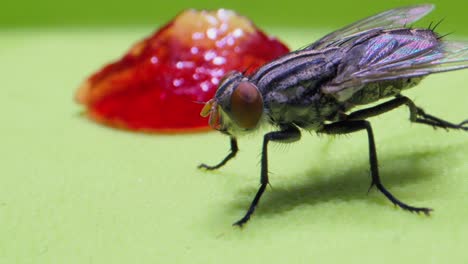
207, 167
231, 155
241, 222
412, 209
464, 125
401, 204
436, 122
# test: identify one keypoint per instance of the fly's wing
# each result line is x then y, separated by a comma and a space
392, 56
394, 18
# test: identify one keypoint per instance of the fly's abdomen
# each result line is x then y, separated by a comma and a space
374, 91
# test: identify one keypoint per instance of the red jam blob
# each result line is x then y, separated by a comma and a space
160, 85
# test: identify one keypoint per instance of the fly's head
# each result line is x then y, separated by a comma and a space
237, 106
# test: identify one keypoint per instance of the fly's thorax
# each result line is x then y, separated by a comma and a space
309, 109
237, 106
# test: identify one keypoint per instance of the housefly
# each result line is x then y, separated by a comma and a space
316, 87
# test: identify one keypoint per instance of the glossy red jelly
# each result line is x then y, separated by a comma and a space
160, 85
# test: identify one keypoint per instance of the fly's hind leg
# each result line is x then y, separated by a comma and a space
417, 114
350, 126
421, 117
231, 155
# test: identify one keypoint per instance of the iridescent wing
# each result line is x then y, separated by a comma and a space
397, 54
394, 18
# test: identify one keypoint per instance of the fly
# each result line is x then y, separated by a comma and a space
316, 87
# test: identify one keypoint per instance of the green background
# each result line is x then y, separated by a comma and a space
291, 13
72, 191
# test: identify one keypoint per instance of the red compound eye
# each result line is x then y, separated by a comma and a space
246, 105
155, 87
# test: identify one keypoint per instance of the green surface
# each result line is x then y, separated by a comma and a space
291, 13
72, 191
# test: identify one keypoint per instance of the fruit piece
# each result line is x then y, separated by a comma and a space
160, 85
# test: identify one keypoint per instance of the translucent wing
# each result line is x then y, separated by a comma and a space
397, 54
394, 18
449, 57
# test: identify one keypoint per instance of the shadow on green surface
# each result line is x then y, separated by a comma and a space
396, 170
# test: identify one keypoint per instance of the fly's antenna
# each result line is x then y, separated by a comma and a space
193, 101
198, 102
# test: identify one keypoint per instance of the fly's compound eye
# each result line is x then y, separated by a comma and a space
246, 105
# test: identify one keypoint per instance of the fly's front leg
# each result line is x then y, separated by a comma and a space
350, 126
417, 115
287, 134
231, 155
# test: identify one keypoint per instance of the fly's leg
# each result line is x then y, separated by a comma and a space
350, 126
287, 134
417, 115
379, 109
423, 118
231, 155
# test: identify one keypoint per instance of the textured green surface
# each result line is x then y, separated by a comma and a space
72, 191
